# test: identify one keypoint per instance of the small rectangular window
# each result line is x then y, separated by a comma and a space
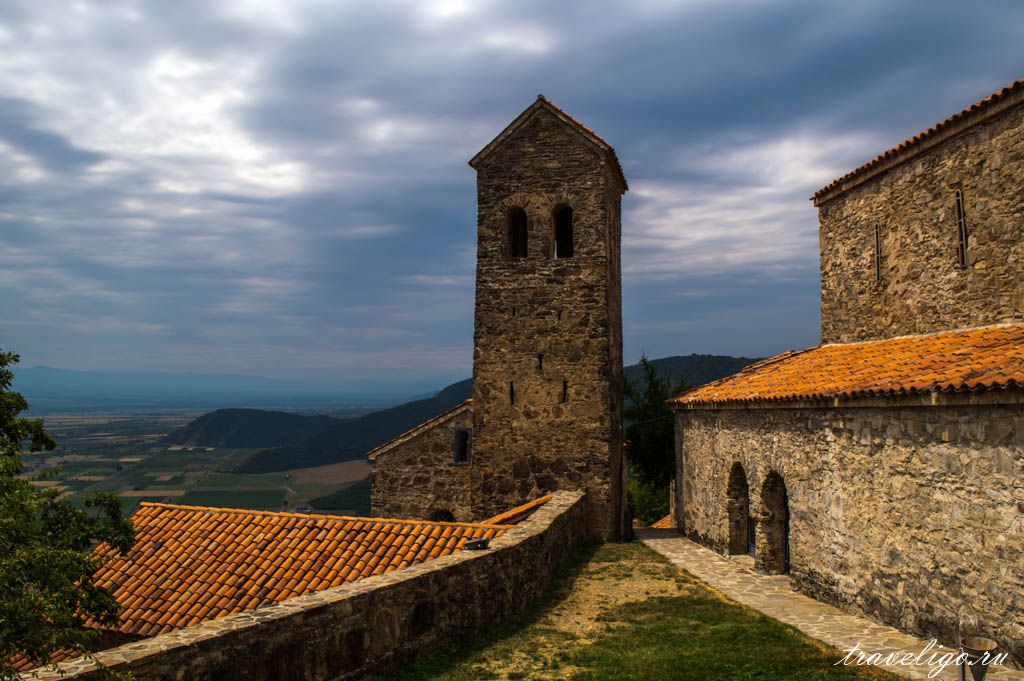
540, 363
878, 254
565, 391
961, 230
461, 447
512, 393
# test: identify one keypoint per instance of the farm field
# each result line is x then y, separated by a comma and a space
123, 454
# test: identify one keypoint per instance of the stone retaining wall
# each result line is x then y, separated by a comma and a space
898, 513
372, 625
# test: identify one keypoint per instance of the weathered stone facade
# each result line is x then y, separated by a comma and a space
901, 513
547, 360
416, 476
911, 197
901, 499
367, 627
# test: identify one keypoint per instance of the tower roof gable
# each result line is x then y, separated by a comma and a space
543, 104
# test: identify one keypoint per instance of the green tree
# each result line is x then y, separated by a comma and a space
47, 593
650, 436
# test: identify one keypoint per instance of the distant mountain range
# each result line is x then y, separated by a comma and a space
49, 390
294, 441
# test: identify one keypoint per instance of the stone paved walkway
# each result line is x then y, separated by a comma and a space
773, 595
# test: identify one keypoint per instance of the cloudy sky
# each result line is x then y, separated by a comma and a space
280, 188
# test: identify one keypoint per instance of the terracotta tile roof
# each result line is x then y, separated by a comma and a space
191, 564
519, 513
664, 524
986, 358
1011, 91
545, 103
426, 425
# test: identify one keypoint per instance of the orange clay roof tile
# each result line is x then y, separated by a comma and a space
254, 557
987, 358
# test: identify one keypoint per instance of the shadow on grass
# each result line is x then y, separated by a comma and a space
504, 636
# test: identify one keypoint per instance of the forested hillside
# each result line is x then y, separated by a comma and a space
293, 441
244, 428
348, 440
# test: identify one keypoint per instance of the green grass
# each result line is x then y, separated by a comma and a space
693, 633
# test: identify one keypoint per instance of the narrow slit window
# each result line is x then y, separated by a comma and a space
961, 230
540, 363
878, 254
516, 233
511, 393
563, 232
460, 447
565, 391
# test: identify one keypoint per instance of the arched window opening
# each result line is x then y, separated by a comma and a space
460, 447
741, 525
516, 246
563, 232
442, 516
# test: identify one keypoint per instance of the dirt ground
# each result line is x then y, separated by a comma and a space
613, 576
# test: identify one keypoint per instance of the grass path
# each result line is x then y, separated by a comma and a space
621, 612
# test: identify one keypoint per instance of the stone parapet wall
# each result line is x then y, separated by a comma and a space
370, 626
902, 514
922, 287
417, 478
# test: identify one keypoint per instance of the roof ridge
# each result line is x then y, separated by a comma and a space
919, 138
926, 334
249, 511
450, 411
543, 101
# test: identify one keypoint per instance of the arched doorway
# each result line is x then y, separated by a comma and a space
741, 526
776, 524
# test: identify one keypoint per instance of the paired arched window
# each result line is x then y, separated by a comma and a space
516, 233
563, 232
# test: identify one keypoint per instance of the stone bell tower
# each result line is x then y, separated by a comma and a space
547, 353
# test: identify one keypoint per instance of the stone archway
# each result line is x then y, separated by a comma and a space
775, 501
741, 525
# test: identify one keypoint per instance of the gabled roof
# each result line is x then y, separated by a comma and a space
992, 105
438, 420
544, 104
987, 358
191, 564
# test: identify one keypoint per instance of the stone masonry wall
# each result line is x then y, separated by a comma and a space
417, 478
371, 626
548, 330
901, 514
922, 286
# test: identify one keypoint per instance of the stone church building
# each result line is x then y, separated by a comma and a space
546, 412
884, 469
